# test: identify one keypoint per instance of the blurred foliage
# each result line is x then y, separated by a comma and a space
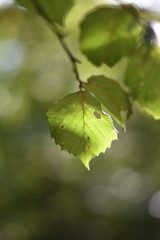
110, 33
143, 80
45, 193
50, 9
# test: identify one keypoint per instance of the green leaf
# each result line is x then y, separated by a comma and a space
113, 97
56, 10
78, 125
109, 33
143, 79
51, 10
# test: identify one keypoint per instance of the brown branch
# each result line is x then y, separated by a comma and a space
72, 58
60, 36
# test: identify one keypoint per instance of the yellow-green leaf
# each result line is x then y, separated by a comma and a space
78, 125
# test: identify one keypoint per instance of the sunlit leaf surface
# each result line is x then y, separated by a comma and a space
78, 126
109, 33
113, 97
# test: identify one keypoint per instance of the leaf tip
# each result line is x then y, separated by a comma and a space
86, 164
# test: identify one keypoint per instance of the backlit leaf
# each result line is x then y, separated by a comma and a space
78, 125
109, 33
113, 97
143, 79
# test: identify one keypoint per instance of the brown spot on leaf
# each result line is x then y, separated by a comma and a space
97, 115
62, 145
87, 147
62, 126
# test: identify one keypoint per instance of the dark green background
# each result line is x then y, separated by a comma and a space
47, 194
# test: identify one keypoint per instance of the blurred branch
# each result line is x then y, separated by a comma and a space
60, 37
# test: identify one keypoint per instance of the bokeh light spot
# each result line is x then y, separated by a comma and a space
11, 54
154, 205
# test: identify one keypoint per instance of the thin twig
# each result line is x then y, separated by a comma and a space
60, 37
72, 58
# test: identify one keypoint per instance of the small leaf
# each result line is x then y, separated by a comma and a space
78, 125
109, 33
53, 10
143, 79
113, 97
